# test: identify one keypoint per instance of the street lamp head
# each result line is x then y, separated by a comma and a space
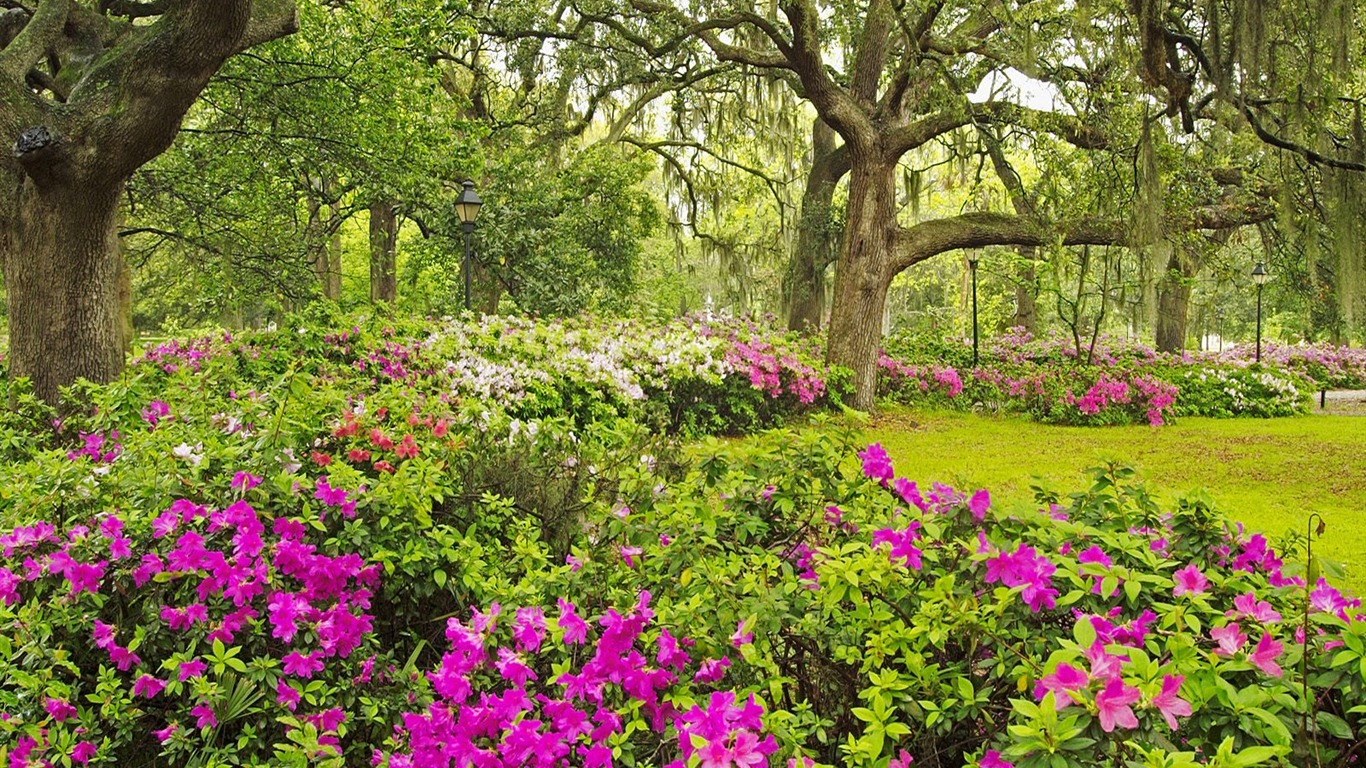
973, 258
467, 205
1259, 274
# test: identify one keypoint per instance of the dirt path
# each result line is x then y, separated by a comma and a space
1344, 402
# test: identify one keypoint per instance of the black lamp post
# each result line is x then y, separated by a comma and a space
467, 209
1259, 276
973, 257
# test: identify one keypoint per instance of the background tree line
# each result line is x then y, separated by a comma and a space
1118, 164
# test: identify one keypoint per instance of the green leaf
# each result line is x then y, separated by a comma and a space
1334, 725
1085, 633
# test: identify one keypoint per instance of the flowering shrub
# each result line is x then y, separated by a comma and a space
1123, 382
304, 547
1326, 366
907, 622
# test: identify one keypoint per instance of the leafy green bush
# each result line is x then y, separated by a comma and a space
307, 547
1118, 382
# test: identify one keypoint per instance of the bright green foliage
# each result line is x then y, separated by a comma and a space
1250, 466
509, 462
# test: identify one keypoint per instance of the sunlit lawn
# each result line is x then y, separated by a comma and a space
1269, 474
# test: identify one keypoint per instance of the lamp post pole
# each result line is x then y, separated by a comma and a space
1259, 322
467, 209
972, 266
1259, 276
468, 226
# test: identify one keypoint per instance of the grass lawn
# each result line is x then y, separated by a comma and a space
1268, 474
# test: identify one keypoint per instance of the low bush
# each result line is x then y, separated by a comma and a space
1117, 382
328, 548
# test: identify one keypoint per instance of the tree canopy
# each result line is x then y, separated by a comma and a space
637, 155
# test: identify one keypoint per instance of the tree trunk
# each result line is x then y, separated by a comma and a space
383, 250
804, 279
332, 288
1027, 293
62, 263
1173, 303
863, 274
125, 298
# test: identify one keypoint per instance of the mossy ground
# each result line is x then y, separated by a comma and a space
1268, 474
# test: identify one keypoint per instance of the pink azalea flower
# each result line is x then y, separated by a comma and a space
1169, 703
902, 760
148, 686
166, 733
192, 668
407, 449
747, 751
903, 548
82, 752
286, 695
1328, 599
1250, 607
1113, 703
528, 630
993, 759
711, 670
670, 655
1094, 554
123, 658
910, 493
740, 637
59, 709
1230, 638
629, 554
979, 503
1061, 682
714, 754
299, 665
1265, 654
877, 465
204, 716
574, 627
1189, 581
104, 635
1104, 665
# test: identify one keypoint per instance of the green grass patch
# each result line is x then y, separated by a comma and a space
1268, 474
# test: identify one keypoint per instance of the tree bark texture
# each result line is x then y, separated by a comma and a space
62, 268
817, 241
85, 100
863, 275
1027, 293
1173, 302
383, 252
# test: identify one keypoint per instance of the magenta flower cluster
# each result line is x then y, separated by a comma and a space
766, 368
240, 578
493, 709
1110, 390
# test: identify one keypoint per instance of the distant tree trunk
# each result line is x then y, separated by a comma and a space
383, 252
804, 280
1027, 285
487, 288
1027, 293
1173, 301
864, 274
324, 237
332, 288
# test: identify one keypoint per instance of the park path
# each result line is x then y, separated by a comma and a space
1345, 402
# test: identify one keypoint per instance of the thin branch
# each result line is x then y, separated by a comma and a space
1314, 158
